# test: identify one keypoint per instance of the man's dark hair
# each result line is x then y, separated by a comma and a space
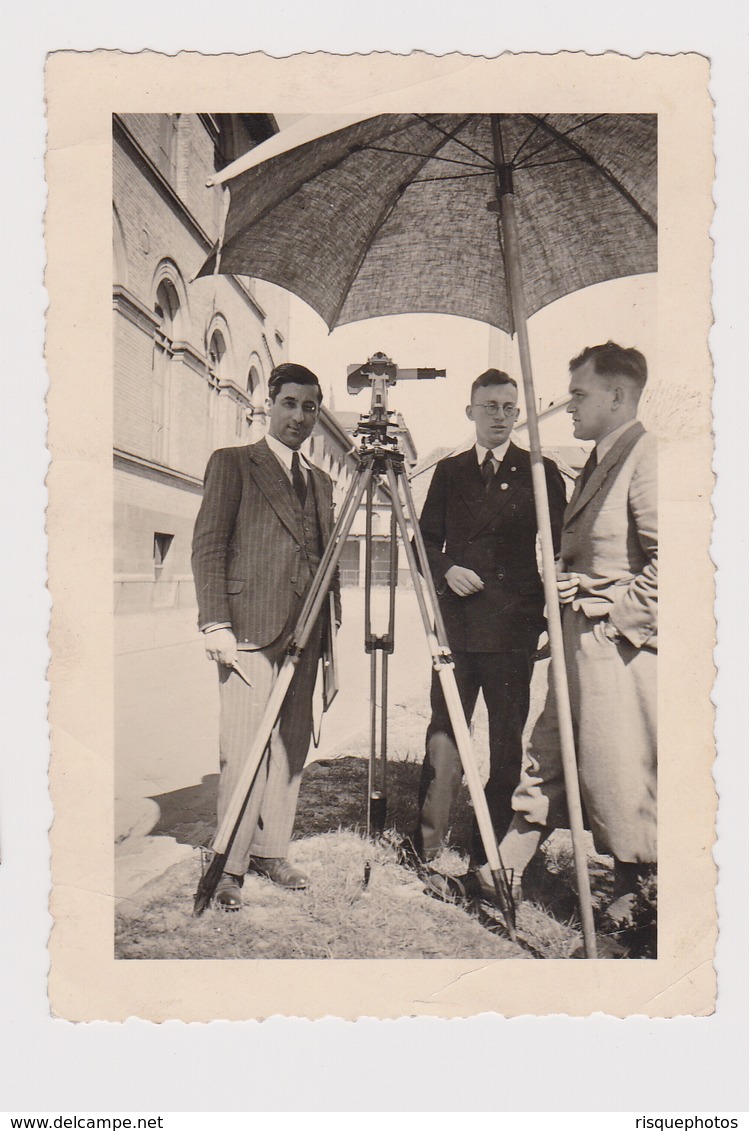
288, 373
611, 360
492, 377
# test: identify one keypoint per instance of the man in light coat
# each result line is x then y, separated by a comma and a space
259, 536
608, 585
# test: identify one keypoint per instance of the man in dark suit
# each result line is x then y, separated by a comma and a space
479, 526
608, 585
259, 536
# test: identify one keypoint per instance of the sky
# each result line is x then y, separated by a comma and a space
623, 310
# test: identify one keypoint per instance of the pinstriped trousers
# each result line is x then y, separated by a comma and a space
268, 818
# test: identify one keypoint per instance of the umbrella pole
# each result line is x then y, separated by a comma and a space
554, 620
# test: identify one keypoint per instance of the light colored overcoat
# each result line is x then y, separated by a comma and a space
610, 539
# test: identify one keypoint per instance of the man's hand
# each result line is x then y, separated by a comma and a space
221, 645
463, 581
567, 586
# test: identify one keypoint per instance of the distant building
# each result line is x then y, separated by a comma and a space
569, 457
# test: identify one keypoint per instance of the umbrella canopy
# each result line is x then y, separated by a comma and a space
485, 216
397, 213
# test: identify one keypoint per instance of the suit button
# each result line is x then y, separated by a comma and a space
500, 575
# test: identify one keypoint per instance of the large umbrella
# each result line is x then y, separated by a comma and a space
485, 216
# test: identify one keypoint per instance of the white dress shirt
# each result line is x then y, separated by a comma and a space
498, 453
285, 455
606, 444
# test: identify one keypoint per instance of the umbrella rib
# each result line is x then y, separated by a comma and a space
544, 164
559, 135
456, 177
457, 140
327, 168
426, 156
523, 144
384, 216
607, 176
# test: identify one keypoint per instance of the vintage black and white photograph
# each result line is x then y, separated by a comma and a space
390, 402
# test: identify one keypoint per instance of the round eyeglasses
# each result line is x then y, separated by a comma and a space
491, 408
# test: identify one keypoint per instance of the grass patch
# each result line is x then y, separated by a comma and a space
336, 918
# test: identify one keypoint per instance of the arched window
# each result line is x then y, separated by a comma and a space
217, 363
257, 392
216, 355
166, 309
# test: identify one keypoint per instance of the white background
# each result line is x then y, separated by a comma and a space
486, 1064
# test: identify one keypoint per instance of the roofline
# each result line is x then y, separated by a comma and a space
552, 407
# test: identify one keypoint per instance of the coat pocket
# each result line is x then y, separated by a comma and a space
234, 586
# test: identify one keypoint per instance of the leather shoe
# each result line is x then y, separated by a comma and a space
229, 892
606, 947
448, 889
621, 913
478, 886
279, 871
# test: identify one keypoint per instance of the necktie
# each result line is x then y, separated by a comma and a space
298, 480
487, 470
590, 465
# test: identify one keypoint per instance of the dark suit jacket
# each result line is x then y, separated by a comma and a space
494, 533
247, 545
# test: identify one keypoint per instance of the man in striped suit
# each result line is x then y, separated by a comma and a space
259, 536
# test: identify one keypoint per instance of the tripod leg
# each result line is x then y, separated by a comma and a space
377, 781
321, 582
444, 667
226, 831
446, 673
323, 579
373, 799
392, 583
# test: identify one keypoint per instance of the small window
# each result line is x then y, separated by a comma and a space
216, 355
161, 546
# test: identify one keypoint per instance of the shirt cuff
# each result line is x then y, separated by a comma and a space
215, 627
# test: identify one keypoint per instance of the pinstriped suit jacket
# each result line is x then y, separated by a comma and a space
247, 545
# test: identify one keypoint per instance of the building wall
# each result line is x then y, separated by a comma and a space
192, 357
176, 396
